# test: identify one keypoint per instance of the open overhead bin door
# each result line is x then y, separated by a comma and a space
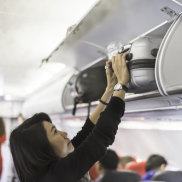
168, 69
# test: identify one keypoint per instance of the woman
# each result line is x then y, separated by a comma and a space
42, 153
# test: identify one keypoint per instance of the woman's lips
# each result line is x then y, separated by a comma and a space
69, 141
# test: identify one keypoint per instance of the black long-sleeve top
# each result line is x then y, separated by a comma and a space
90, 145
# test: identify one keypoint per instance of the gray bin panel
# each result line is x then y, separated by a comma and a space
168, 69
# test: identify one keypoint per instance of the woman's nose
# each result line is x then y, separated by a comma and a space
64, 134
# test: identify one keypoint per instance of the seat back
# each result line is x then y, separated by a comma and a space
119, 176
168, 176
93, 172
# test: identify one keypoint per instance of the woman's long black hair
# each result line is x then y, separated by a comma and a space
30, 148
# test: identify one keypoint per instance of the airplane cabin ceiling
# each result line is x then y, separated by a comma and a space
29, 31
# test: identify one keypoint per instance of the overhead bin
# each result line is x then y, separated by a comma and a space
141, 65
155, 68
157, 60
85, 86
109, 21
86, 46
168, 69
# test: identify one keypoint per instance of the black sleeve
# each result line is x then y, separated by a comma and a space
83, 133
76, 164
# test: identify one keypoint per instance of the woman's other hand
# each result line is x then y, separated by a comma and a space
120, 68
111, 77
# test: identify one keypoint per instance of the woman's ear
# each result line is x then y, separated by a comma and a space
162, 167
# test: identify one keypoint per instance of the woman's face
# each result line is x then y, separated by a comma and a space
58, 140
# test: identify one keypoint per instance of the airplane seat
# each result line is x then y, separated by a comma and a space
118, 176
93, 172
168, 176
2, 139
138, 167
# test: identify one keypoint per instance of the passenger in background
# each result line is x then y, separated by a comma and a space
123, 161
2, 139
108, 163
42, 153
138, 167
155, 163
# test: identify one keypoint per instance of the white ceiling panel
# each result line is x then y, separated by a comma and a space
29, 31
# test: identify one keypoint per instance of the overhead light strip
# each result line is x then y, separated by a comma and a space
177, 2
149, 125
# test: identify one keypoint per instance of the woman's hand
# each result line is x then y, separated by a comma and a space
120, 68
111, 77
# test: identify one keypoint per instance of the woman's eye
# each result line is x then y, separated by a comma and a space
55, 131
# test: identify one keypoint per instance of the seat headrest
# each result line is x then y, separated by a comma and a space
118, 176
138, 167
168, 176
93, 172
